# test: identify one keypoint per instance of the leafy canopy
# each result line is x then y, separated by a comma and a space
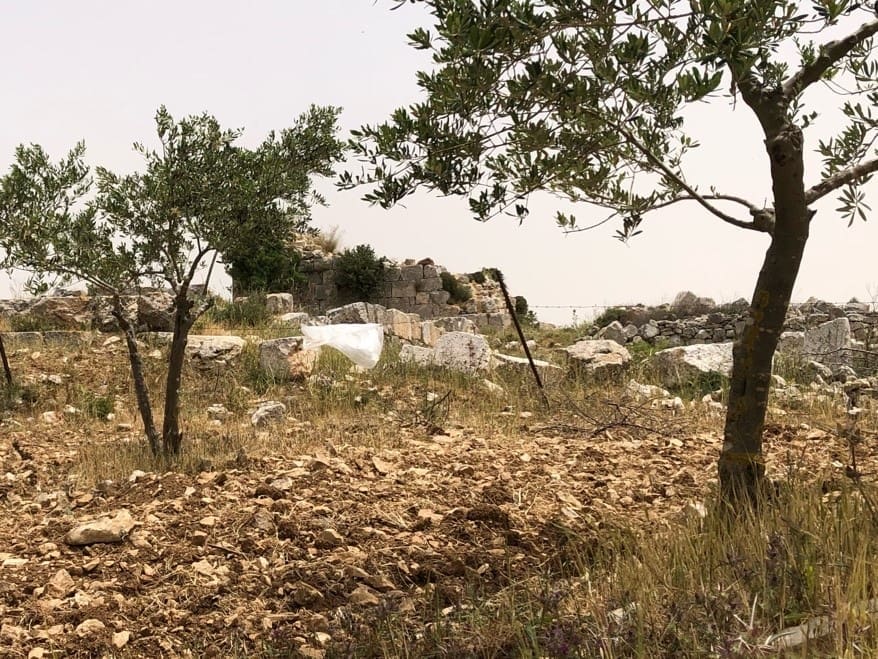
199, 192
584, 99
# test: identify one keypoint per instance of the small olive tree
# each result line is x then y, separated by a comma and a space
198, 194
586, 99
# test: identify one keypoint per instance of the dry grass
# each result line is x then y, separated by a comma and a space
329, 239
707, 587
684, 585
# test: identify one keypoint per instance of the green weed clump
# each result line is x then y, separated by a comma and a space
98, 407
458, 291
246, 312
608, 316
28, 323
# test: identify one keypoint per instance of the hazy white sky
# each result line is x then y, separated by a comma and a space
98, 70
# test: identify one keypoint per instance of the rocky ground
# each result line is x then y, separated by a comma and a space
301, 551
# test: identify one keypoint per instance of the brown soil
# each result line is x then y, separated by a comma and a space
300, 554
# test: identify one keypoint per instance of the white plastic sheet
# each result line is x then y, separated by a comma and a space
362, 343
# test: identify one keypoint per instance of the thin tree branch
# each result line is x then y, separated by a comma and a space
753, 208
668, 172
830, 53
193, 268
841, 178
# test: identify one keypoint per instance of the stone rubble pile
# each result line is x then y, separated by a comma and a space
691, 319
824, 342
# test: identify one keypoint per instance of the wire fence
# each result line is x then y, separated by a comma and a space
873, 305
268, 326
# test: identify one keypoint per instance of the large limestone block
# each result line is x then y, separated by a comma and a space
215, 349
279, 303
685, 364
356, 312
686, 303
155, 311
286, 359
521, 366
461, 351
418, 355
613, 332
430, 332
406, 326
293, 318
207, 349
68, 312
349, 313
829, 343
791, 344
455, 324
16, 340
67, 338
598, 357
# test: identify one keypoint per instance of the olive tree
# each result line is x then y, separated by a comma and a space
586, 100
198, 194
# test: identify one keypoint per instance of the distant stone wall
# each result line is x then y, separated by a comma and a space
691, 319
411, 287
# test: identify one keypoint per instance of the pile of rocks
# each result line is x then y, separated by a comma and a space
151, 310
821, 354
691, 319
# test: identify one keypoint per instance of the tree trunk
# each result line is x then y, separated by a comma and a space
6, 370
741, 464
172, 437
141, 390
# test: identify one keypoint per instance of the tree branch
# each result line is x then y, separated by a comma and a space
830, 53
753, 208
193, 268
669, 173
763, 218
841, 178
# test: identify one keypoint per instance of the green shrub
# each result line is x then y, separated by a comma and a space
264, 265
458, 291
248, 312
359, 273
98, 407
608, 316
643, 350
478, 277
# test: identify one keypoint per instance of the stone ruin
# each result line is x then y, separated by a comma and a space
412, 306
409, 286
831, 334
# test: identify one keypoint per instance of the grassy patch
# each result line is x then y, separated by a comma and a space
248, 312
706, 587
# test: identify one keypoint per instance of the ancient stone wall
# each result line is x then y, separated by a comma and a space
410, 286
691, 319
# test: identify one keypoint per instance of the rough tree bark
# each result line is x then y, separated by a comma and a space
141, 390
741, 465
6, 370
172, 436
